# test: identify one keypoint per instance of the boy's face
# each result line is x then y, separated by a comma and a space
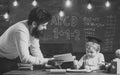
117, 53
91, 49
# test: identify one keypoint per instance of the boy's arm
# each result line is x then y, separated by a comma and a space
101, 59
78, 64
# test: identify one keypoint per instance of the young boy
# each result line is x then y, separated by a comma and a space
117, 53
93, 59
111, 67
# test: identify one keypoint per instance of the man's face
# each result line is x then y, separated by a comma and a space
38, 31
43, 26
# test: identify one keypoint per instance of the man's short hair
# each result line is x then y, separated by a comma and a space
40, 16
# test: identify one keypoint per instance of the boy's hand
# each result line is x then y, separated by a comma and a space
75, 62
74, 57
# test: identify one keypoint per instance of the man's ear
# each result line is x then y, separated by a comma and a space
34, 24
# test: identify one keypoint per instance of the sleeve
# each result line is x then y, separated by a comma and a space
21, 41
80, 62
35, 49
101, 59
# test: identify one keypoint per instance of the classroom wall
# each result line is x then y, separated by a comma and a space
78, 22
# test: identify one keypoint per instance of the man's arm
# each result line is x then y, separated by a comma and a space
35, 48
21, 41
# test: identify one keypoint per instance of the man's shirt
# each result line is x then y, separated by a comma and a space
16, 41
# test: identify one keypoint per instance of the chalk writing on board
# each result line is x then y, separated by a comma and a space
67, 33
91, 24
110, 32
62, 30
65, 21
75, 28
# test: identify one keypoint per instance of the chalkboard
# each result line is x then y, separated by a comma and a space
76, 25
78, 22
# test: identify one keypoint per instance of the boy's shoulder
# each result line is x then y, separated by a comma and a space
116, 59
100, 55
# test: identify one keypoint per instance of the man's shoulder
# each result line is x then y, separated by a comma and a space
21, 25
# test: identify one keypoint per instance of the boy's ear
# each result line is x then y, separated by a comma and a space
98, 50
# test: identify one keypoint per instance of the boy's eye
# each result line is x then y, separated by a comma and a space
89, 52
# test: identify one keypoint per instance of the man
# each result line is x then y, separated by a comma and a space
21, 40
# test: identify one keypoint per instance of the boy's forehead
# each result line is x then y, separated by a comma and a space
92, 44
94, 39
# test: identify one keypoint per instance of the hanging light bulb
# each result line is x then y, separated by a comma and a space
6, 16
15, 3
107, 4
61, 13
68, 3
89, 6
34, 3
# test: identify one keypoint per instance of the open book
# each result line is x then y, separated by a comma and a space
64, 57
24, 66
78, 70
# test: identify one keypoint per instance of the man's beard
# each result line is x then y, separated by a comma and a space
37, 33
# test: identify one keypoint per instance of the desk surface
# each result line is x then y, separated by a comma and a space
40, 72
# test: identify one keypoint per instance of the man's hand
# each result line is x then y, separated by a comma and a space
51, 59
45, 60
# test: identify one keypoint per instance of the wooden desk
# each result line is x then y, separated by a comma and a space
40, 72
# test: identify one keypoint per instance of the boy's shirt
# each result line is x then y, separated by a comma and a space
92, 63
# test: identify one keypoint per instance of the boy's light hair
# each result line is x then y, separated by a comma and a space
95, 42
117, 52
95, 45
